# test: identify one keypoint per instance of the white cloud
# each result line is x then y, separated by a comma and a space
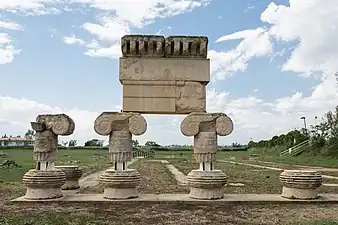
310, 25
255, 43
110, 29
10, 25
313, 25
71, 40
7, 50
143, 12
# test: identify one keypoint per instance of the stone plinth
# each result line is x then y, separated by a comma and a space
120, 184
206, 184
300, 184
73, 174
43, 184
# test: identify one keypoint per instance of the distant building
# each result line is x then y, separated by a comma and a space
16, 142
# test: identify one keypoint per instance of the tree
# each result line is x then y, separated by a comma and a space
151, 144
64, 143
135, 144
72, 143
94, 143
30, 134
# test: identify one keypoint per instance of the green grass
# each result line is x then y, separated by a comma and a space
156, 179
89, 160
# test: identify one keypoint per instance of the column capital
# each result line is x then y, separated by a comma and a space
108, 122
198, 122
59, 124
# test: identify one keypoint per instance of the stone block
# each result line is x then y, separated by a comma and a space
43, 184
120, 184
165, 69
186, 47
206, 184
163, 97
73, 174
300, 184
142, 46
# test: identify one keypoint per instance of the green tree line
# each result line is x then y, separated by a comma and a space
323, 137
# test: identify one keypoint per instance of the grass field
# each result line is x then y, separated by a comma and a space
155, 178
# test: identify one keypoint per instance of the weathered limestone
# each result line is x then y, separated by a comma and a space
164, 76
164, 97
45, 181
120, 182
73, 175
300, 184
206, 182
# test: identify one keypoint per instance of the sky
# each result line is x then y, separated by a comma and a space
272, 62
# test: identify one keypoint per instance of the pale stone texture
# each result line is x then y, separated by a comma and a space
206, 183
164, 97
120, 182
45, 181
300, 184
43, 184
163, 69
73, 175
186, 46
142, 45
168, 82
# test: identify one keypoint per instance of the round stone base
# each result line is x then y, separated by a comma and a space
201, 193
71, 185
43, 184
118, 193
73, 174
300, 184
206, 184
120, 184
43, 193
296, 193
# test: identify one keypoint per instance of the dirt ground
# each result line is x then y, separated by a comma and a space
155, 178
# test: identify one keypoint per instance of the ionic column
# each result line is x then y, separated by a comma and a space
206, 182
120, 182
45, 181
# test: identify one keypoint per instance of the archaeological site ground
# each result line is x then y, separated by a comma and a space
121, 185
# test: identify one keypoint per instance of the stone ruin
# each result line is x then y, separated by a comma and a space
159, 76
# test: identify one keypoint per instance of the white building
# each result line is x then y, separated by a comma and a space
16, 142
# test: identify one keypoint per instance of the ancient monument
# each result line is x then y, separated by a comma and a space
45, 181
159, 76
163, 76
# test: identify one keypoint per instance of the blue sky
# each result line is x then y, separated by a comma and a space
258, 78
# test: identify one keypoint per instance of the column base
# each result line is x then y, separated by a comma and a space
43, 184
296, 193
206, 184
71, 185
43, 193
73, 174
120, 184
300, 184
118, 193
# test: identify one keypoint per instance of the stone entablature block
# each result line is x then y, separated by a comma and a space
159, 46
